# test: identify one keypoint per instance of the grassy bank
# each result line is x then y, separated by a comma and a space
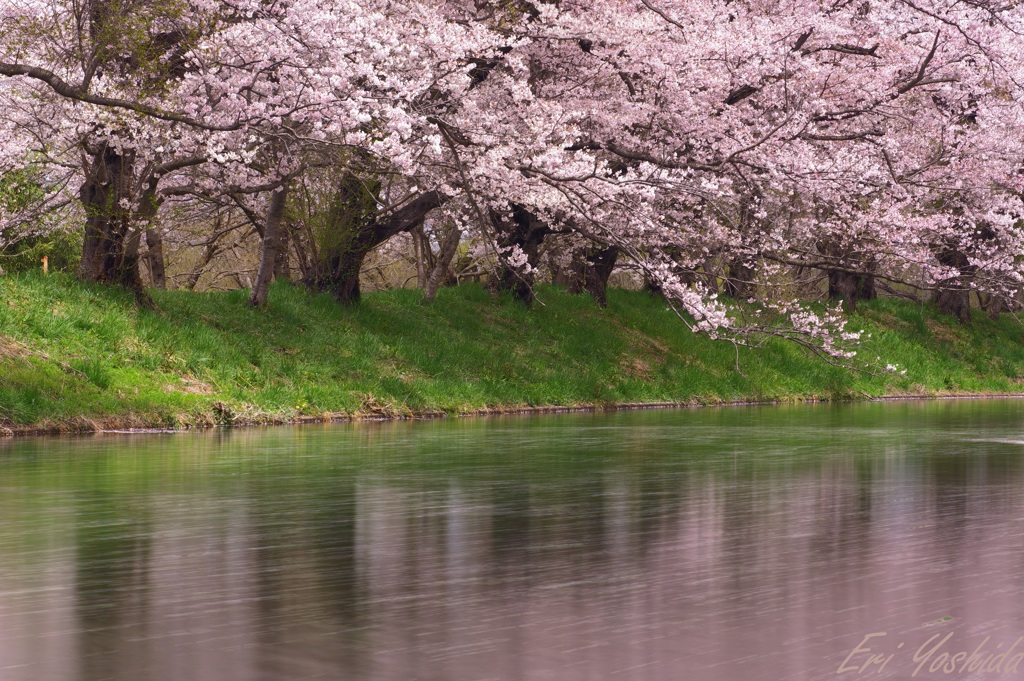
77, 356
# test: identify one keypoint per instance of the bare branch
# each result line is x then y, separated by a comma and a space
919, 77
661, 13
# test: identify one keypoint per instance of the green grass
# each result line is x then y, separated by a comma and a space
74, 355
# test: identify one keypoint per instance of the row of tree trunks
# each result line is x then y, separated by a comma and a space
111, 247
111, 253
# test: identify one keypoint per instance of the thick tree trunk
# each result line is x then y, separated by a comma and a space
105, 257
338, 270
345, 268
954, 301
272, 232
355, 232
851, 287
739, 280
953, 295
590, 272
844, 284
110, 250
599, 270
523, 230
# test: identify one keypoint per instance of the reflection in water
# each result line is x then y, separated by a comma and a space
715, 544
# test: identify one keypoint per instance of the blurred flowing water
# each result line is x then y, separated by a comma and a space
717, 544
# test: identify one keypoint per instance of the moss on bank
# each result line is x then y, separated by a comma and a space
75, 356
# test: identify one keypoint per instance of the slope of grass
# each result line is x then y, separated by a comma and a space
74, 355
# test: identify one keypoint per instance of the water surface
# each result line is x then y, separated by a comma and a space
718, 544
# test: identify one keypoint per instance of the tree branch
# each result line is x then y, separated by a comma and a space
918, 79
65, 89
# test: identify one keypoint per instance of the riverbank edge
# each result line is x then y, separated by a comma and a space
78, 358
137, 424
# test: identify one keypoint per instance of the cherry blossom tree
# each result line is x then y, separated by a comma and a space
716, 146
870, 141
86, 95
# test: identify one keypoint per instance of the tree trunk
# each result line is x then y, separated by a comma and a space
425, 259
848, 286
523, 230
739, 280
568, 265
590, 272
994, 304
197, 271
851, 287
272, 234
449, 246
282, 263
355, 231
155, 258
302, 255
953, 295
344, 282
599, 270
954, 301
110, 253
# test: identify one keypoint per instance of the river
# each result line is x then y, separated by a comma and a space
754, 543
